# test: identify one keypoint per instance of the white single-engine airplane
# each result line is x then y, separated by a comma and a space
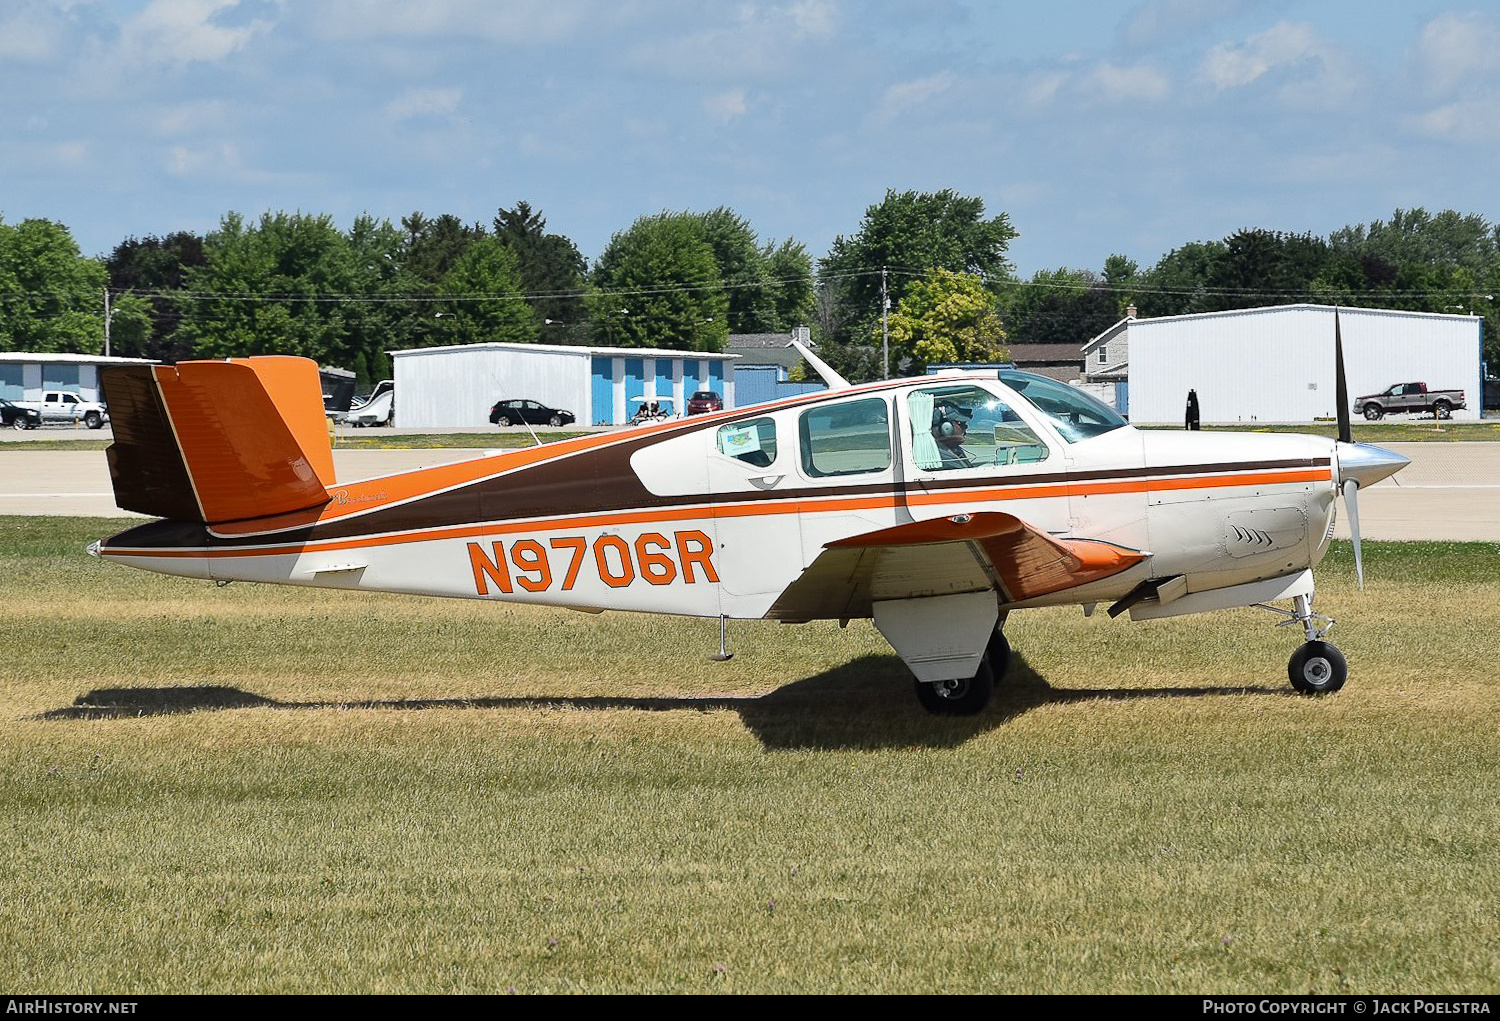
935, 505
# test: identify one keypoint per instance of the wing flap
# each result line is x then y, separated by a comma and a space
945, 556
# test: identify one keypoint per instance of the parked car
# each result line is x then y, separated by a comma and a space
13, 416
65, 406
1409, 397
704, 401
516, 411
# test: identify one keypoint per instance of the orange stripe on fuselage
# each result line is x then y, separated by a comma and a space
803, 503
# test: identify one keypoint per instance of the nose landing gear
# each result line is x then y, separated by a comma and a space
1316, 668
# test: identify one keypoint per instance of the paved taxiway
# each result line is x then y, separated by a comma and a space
1449, 491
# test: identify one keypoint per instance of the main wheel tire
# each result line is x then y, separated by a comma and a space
997, 652
1317, 668
93, 420
963, 696
1374, 412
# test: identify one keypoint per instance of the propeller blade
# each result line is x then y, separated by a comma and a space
1341, 385
1351, 503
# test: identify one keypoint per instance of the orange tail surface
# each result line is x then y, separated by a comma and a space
219, 441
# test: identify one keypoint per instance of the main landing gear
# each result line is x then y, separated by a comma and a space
966, 696
1316, 668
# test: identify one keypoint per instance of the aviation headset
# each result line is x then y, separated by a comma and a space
946, 418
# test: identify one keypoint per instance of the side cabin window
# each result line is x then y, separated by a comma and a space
753, 442
846, 439
967, 427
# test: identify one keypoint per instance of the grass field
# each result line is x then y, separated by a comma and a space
270, 790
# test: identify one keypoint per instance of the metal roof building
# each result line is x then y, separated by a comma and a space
456, 386
1276, 364
24, 375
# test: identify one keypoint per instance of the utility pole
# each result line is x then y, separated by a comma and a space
885, 333
107, 316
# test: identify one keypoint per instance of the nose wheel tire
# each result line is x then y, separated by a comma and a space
1317, 668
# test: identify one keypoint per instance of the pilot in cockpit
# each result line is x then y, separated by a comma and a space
950, 425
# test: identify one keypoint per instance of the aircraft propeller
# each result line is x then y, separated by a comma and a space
1360, 464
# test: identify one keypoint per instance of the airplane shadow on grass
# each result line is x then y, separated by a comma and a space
866, 703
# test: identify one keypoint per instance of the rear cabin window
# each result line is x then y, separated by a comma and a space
753, 442
846, 439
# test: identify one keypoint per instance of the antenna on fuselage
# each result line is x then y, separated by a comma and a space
829, 374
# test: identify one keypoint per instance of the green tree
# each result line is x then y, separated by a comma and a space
658, 285
946, 318
280, 286
789, 269
1061, 306
553, 273
483, 303
150, 271
1414, 236
901, 240
743, 271
1263, 267
51, 297
1178, 283
433, 246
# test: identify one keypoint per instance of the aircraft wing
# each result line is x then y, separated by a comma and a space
946, 556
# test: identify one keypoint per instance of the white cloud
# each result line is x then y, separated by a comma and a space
810, 19
905, 96
190, 118
1039, 90
1165, 20
30, 33
725, 106
760, 41
1455, 50
184, 32
217, 160
1232, 66
514, 21
416, 103
1139, 84
1466, 121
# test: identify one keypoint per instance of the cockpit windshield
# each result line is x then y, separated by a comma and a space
1076, 414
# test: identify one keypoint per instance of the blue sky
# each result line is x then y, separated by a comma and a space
1098, 127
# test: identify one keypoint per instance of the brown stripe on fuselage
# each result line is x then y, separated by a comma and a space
594, 480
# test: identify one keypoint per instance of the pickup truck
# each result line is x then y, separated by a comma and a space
1409, 397
66, 406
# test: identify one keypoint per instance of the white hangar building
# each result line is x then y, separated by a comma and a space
1276, 364
457, 386
25, 375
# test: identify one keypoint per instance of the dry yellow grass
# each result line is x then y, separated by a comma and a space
252, 789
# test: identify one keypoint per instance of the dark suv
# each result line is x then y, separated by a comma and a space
704, 400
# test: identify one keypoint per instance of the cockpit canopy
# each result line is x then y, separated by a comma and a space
1077, 414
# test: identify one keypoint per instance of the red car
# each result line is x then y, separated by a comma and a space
704, 400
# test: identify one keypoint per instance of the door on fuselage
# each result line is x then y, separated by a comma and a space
968, 448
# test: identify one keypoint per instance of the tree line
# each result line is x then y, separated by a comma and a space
925, 279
